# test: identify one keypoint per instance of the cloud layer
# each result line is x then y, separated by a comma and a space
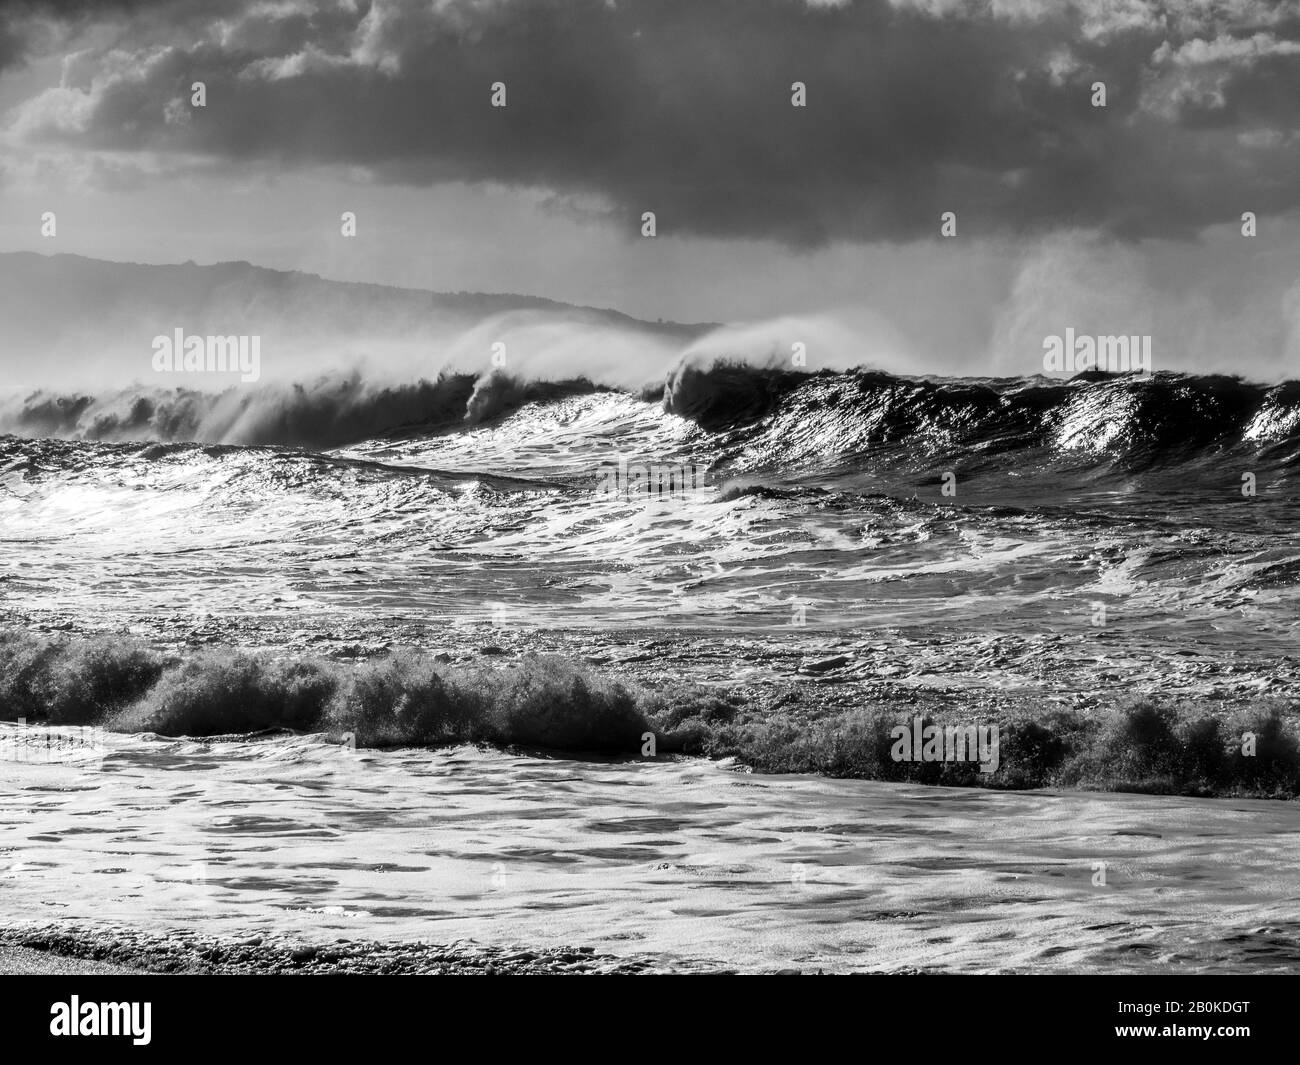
683, 107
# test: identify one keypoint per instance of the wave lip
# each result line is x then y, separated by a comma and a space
776, 415
751, 417
405, 699
329, 412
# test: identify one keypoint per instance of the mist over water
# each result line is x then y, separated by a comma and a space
426, 456
76, 334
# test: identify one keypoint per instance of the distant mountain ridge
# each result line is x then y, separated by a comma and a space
98, 317
182, 282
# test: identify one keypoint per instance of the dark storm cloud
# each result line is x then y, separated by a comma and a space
26, 25
682, 107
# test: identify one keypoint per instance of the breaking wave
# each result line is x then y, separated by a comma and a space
329, 412
1160, 414
758, 416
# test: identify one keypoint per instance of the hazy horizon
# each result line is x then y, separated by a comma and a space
1117, 219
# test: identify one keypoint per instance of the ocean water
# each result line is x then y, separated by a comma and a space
688, 859
1094, 542
1093, 535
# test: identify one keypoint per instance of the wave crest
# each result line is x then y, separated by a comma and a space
329, 412
774, 415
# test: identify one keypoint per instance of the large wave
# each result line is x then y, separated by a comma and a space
328, 412
1163, 416
771, 416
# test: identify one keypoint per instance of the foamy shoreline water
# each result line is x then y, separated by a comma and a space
684, 858
826, 569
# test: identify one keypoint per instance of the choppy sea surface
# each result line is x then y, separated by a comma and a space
1038, 531
1059, 542
689, 859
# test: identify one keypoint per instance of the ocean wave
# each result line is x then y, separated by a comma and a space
754, 416
410, 699
778, 418
329, 412
404, 699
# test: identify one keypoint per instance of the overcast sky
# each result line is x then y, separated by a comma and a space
1128, 213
